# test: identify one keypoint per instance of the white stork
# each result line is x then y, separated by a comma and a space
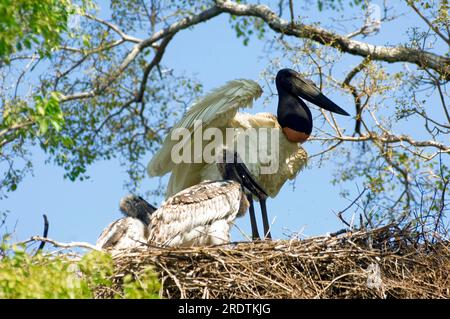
199, 215
219, 109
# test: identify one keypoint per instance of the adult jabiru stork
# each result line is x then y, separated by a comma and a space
219, 109
202, 214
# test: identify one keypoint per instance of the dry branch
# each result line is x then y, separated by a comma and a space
55, 243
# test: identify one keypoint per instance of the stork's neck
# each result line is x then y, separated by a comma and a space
293, 115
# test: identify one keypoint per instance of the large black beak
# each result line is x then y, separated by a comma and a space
239, 172
307, 90
244, 177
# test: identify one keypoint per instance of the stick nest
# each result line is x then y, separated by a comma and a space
387, 262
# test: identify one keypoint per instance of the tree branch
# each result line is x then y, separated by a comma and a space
115, 28
381, 53
354, 92
140, 46
435, 29
149, 67
61, 245
421, 58
387, 139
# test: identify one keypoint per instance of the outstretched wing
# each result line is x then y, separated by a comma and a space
215, 109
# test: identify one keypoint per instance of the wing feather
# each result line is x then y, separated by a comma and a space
194, 210
218, 107
124, 233
292, 159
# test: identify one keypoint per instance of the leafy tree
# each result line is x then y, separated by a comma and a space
26, 24
59, 276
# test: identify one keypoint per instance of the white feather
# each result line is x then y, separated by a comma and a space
219, 109
124, 233
200, 215
215, 110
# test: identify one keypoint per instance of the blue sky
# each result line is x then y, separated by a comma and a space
78, 211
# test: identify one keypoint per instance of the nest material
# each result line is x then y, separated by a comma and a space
382, 263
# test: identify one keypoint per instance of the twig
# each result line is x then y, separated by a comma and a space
354, 92
339, 214
291, 9
44, 235
428, 22
74, 244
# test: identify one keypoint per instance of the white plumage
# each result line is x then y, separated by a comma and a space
219, 109
202, 214
199, 215
124, 233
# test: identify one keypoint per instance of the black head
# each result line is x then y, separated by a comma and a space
137, 207
294, 83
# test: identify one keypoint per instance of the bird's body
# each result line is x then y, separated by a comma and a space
219, 110
199, 215
202, 214
129, 231
124, 233
222, 106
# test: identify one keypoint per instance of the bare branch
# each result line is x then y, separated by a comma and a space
441, 95
354, 92
421, 58
428, 22
139, 47
12, 128
388, 54
387, 139
291, 10
74, 244
156, 60
339, 214
115, 28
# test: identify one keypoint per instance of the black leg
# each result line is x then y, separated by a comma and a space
255, 234
265, 219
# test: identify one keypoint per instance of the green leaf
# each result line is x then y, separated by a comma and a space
43, 126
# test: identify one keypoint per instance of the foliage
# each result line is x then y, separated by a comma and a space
41, 119
40, 276
397, 152
35, 117
146, 286
28, 23
246, 27
59, 276
111, 125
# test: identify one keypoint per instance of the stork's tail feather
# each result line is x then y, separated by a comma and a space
137, 207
